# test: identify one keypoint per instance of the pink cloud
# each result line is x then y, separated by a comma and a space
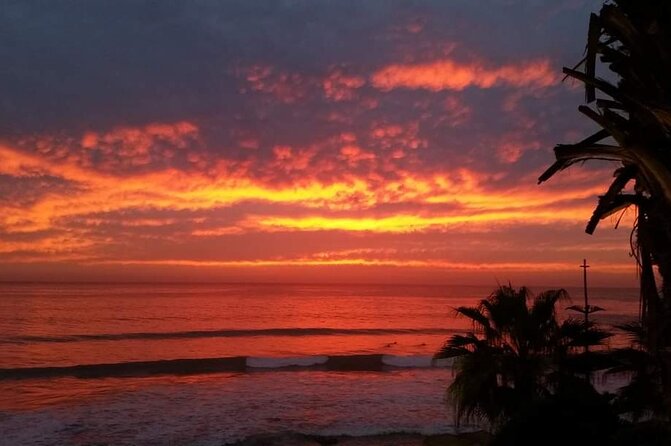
141, 139
287, 87
397, 136
353, 154
416, 26
448, 74
288, 159
338, 86
457, 113
139, 146
121, 147
513, 146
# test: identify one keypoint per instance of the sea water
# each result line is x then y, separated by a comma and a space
200, 364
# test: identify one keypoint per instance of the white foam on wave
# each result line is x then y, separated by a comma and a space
276, 363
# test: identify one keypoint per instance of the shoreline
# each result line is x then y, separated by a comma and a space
476, 438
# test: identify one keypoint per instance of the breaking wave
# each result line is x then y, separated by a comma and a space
343, 363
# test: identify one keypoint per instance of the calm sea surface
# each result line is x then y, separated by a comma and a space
150, 364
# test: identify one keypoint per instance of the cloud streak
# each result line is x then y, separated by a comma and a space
448, 74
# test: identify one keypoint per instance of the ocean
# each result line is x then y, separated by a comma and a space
212, 364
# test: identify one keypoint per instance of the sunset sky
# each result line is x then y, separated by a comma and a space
297, 141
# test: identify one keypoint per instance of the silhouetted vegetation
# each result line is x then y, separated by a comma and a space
517, 355
521, 370
643, 397
528, 376
632, 39
574, 416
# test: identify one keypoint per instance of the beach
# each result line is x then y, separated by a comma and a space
400, 439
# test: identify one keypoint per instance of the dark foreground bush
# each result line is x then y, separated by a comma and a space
573, 420
649, 433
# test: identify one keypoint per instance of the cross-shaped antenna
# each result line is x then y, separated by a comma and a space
584, 267
586, 309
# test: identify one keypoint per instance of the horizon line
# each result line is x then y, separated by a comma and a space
266, 283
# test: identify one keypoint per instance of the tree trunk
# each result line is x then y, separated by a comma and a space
654, 238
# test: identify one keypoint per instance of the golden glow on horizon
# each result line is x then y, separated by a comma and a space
408, 223
613, 268
172, 189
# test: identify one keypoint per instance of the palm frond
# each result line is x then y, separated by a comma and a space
459, 345
479, 319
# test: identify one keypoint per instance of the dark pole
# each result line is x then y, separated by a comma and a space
584, 267
587, 308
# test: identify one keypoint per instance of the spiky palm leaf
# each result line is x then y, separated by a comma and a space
644, 395
632, 39
516, 353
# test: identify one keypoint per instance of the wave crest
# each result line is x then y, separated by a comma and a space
344, 363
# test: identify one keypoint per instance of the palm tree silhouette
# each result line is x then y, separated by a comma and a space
518, 353
633, 38
643, 397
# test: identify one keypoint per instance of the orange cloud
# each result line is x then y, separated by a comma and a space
338, 86
512, 147
354, 154
53, 245
388, 136
91, 223
448, 74
456, 110
121, 147
141, 139
220, 186
287, 87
